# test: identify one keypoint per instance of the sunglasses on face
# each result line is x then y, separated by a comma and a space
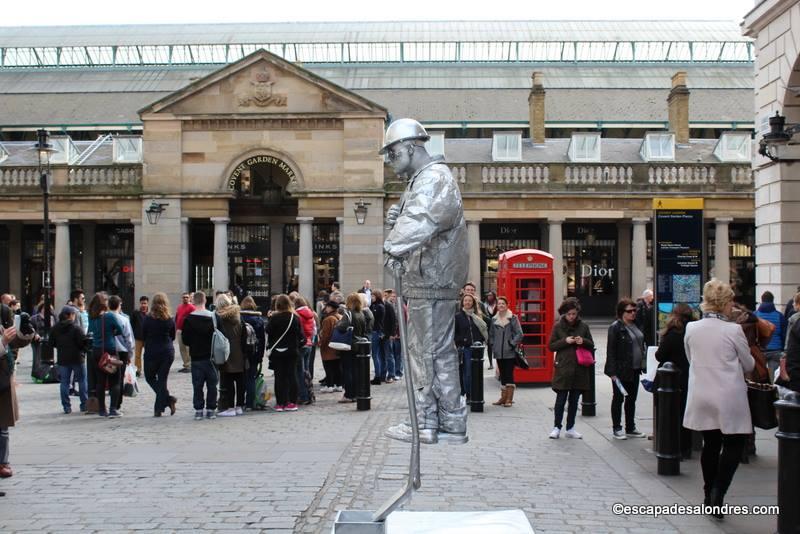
631, 310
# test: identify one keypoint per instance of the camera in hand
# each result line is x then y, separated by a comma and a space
25, 327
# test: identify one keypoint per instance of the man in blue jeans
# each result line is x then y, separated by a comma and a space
774, 349
70, 343
198, 329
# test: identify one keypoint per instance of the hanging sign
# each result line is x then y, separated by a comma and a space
678, 249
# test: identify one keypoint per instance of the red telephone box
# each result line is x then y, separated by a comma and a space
525, 278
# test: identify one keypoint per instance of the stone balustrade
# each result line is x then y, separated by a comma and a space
129, 175
19, 177
599, 174
518, 174
105, 177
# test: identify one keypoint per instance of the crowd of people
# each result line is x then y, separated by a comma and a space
714, 349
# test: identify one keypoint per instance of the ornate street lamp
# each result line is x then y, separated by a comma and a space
360, 210
154, 211
778, 135
44, 150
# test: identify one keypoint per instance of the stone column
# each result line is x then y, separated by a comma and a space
556, 248
15, 258
221, 279
62, 267
186, 284
306, 260
137, 260
88, 259
276, 263
722, 257
474, 246
639, 257
340, 221
624, 255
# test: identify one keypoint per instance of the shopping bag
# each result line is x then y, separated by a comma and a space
649, 379
130, 387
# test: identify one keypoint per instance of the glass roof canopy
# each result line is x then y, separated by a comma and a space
382, 52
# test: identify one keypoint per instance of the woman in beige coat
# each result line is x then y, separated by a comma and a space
717, 402
9, 410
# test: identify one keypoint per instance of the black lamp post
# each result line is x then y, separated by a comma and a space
44, 150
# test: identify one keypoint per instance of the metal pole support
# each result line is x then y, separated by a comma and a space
588, 402
363, 398
476, 387
788, 463
668, 424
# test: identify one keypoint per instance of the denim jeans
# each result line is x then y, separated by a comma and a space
204, 374
300, 369
569, 397
65, 375
466, 371
4, 445
397, 353
377, 356
250, 385
156, 373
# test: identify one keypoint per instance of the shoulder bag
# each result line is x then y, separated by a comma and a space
343, 340
585, 356
107, 363
272, 348
220, 346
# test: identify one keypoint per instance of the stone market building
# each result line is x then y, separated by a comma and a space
260, 141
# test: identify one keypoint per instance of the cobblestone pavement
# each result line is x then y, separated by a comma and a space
291, 472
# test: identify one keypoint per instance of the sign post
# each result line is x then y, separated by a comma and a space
678, 250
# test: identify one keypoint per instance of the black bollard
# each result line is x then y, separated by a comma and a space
588, 403
668, 424
363, 398
476, 388
788, 463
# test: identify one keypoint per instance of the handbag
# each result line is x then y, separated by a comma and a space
519, 358
343, 340
5, 375
765, 330
270, 349
107, 363
585, 357
761, 398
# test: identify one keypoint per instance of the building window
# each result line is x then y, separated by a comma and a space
585, 147
326, 256
658, 147
435, 145
507, 146
249, 261
734, 147
64, 150
498, 238
127, 149
3, 153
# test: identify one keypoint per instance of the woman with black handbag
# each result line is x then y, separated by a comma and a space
504, 336
470, 329
569, 378
354, 317
717, 404
284, 340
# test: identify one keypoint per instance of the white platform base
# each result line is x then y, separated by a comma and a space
501, 522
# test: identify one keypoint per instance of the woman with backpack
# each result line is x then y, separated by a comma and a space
104, 326
251, 315
158, 331
232, 372
284, 340
353, 317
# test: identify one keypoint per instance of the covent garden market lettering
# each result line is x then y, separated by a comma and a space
270, 160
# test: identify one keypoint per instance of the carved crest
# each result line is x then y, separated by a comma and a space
262, 91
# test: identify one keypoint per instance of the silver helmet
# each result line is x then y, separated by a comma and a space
403, 130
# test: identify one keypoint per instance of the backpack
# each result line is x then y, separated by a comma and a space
251, 341
220, 346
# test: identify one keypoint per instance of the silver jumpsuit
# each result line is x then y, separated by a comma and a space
430, 235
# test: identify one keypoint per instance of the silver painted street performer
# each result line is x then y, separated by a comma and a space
427, 245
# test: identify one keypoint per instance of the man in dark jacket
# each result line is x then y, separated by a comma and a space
137, 320
198, 328
790, 309
645, 317
793, 358
774, 349
70, 343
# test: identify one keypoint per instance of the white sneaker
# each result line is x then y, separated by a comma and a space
555, 433
338, 389
574, 434
620, 434
328, 389
230, 412
239, 410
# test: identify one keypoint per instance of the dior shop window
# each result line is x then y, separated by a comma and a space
249, 264
498, 238
114, 262
742, 253
590, 263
